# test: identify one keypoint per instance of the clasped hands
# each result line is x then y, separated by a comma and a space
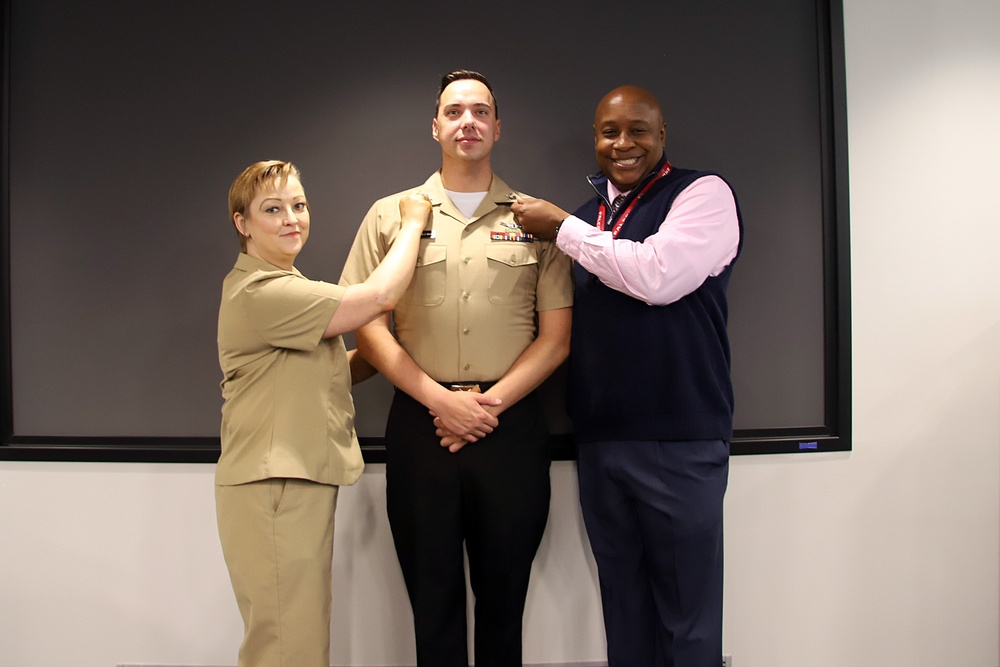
462, 417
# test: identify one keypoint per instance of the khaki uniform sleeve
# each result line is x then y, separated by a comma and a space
291, 311
370, 245
555, 279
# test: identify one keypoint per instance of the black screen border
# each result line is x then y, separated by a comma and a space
834, 435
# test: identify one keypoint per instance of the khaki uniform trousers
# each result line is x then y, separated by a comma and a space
277, 539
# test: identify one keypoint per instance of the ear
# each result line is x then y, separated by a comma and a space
434, 129
241, 224
496, 133
663, 135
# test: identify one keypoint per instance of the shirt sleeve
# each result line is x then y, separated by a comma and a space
369, 247
554, 289
698, 238
291, 311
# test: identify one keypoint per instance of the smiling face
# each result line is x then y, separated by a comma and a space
466, 124
276, 222
628, 136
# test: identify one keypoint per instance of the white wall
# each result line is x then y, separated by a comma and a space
104, 564
888, 555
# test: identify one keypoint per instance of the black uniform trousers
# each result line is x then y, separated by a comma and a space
653, 512
493, 495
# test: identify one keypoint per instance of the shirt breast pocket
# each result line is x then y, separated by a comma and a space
428, 283
513, 272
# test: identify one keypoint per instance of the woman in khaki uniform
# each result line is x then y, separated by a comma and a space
288, 439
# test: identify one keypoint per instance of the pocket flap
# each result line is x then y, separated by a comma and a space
511, 254
432, 254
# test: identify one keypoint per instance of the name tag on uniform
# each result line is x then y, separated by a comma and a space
517, 237
428, 234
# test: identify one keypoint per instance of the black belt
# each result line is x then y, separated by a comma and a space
475, 387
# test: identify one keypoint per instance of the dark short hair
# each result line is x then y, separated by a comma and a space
458, 75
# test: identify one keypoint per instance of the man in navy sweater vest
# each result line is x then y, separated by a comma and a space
650, 393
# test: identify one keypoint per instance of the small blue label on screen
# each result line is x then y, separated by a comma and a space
809, 445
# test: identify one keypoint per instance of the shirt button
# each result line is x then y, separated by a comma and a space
513, 259
466, 259
465, 331
467, 367
465, 295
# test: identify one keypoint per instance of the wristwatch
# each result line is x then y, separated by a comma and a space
555, 232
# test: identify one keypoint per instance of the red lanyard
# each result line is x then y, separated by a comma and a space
602, 212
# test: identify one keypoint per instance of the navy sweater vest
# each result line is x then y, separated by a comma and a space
641, 372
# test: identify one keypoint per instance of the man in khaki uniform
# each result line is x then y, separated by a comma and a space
484, 321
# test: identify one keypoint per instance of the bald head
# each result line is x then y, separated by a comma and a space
629, 134
629, 96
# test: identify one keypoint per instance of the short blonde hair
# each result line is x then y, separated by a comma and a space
253, 179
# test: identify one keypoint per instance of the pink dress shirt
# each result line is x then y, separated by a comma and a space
698, 239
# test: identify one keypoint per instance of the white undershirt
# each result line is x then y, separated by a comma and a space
466, 202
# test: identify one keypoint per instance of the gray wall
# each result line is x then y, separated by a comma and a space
130, 120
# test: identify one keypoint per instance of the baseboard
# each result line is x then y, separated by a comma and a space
533, 664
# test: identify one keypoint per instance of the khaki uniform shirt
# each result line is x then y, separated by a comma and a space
469, 311
288, 410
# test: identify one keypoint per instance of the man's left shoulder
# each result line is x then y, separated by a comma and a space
703, 176
499, 189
